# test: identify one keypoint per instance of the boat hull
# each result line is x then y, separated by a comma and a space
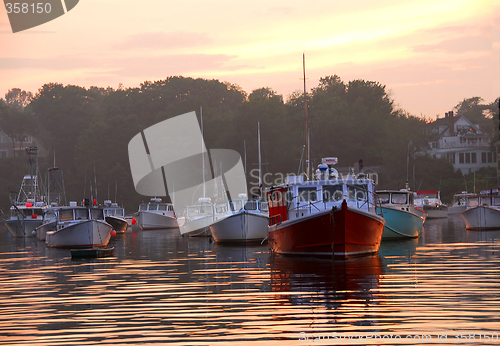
400, 224
481, 218
342, 232
456, 209
421, 213
41, 231
119, 224
23, 228
149, 220
197, 227
87, 233
436, 211
241, 227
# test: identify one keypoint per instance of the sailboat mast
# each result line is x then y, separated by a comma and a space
306, 118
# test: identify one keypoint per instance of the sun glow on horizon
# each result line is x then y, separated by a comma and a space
416, 47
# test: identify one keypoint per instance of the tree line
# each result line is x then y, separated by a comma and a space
90, 128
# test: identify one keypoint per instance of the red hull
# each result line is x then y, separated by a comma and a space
355, 232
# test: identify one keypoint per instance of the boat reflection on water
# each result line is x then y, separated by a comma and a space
353, 278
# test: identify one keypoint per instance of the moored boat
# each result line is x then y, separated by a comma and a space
197, 218
240, 221
430, 202
26, 212
115, 216
397, 208
459, 202
482, 212
79, 227
155, 215
327, 216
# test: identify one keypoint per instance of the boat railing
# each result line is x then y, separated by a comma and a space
275, 219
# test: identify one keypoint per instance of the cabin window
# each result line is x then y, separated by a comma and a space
485, 201
96, 214
332, 193
162, 207
66, 215
264, 206
81, 214
251, 205
399, 198
473, 202
308, 194
496, 201
357, 192
143, 207
383, 198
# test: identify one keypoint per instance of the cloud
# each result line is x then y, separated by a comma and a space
458, 45
162, 40
55, 63
168, 65
147, 65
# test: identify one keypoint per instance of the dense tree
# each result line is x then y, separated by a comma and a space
90, 128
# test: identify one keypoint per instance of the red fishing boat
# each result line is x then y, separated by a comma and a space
331, 215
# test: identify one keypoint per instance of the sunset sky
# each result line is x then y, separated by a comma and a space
431, 54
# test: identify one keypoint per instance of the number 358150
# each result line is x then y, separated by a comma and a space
18, 7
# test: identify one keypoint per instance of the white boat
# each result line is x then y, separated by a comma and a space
398, 210
198, 218
430, 202
240, 221
26, 212
482, 212
155, 215
115, 216
79, 227
244, 220
459, 202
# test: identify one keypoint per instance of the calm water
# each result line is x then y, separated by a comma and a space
163, 288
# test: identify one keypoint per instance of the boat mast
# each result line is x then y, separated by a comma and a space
202, 153
306, 118
260, 160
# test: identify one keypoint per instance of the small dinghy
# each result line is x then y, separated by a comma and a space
95, 252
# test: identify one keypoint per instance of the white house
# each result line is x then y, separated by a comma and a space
463, 143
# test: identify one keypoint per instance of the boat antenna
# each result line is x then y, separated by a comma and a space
306, 118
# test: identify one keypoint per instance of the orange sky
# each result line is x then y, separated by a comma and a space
431, 54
